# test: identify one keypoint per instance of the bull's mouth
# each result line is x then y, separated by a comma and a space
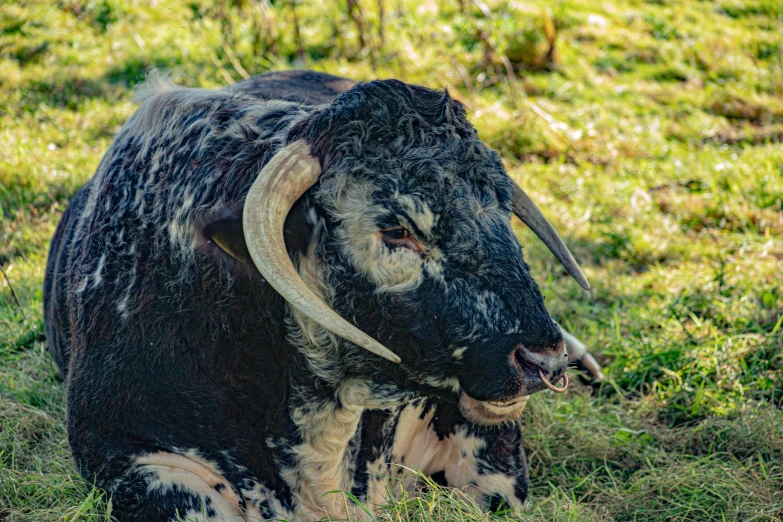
492, 412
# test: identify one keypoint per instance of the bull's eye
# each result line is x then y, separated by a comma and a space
400, 237
396, 235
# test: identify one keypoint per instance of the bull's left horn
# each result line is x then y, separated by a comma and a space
527, 211
278, 186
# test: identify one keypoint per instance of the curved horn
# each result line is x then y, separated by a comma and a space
527, 211
278, 186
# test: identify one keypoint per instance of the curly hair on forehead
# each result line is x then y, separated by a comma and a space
374, 115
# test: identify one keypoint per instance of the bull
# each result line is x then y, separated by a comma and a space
297, 285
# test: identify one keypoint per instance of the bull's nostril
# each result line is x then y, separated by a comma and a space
550, 359
519, 355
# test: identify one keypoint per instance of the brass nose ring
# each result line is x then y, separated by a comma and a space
552, 386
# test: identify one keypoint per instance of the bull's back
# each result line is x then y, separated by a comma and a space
55, 290
308, 87
298, 86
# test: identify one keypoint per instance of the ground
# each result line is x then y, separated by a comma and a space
650, 134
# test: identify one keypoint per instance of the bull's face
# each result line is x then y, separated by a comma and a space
425, 260
411, 242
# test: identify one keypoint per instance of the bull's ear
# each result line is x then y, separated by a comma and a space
297, 232
228, 236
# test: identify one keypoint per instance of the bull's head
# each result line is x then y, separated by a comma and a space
409, 215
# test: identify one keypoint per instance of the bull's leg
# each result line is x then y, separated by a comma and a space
168, 487
486, 462
579, 357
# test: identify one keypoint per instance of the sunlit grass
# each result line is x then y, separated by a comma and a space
649, 132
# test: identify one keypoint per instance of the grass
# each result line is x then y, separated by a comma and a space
649, 132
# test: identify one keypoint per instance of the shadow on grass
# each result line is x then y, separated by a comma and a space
66, 91
71, 89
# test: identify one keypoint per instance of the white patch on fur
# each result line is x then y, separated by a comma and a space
490, 308
391, 269
180, 233
416, 446
457, 455
97, 276
192, 474
317, 343
433, 264
122, 305
449, 383
324, 458
82, 285
258, 495
419, 212
459, 352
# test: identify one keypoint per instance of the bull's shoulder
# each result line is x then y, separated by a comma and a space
183, 153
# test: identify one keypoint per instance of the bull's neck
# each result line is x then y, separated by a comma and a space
326, 445
326, 410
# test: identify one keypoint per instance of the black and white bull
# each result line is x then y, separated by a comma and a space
293, 286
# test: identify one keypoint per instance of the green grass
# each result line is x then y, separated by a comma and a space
649, 132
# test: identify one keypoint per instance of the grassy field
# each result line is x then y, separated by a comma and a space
650, 133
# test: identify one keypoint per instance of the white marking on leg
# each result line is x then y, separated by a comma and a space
194, 475
457, 455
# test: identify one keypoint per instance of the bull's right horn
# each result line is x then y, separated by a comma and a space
278, 186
